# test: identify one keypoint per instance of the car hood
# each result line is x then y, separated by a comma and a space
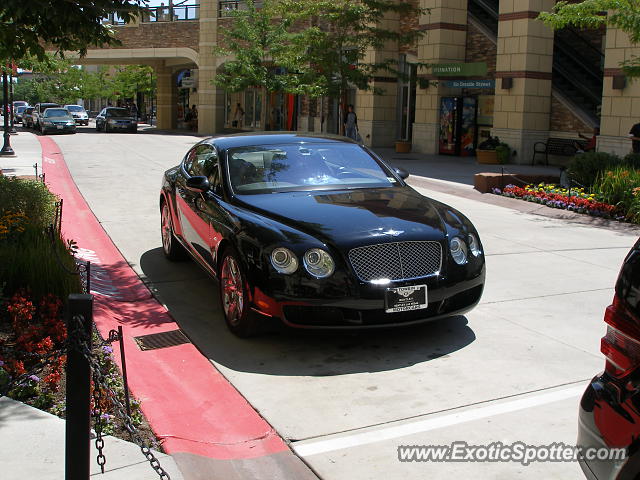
119, 118
58, 119
348, 218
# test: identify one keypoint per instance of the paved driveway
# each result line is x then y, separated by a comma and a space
510, 370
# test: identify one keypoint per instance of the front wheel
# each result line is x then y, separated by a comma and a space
233, 296
172, 249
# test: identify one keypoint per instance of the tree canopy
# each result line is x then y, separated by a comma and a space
27, 27
321, 47
621, 14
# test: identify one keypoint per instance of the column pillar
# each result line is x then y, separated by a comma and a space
525, 59
210, 97
377, 113
620, 96
444, 42
166, 109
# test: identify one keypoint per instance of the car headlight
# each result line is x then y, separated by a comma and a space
71, 122
111, 121
474, 245
284, 260
47, 122
458, 250
318, 263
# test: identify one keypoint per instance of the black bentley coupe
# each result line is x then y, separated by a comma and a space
317, 232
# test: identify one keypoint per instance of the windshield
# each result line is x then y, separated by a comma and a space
55, 112
20, 109
74, 108
118, 112
279, 168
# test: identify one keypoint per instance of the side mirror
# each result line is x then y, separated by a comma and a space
198, 184
402, 173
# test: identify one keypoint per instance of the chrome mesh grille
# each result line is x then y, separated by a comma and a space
396, 261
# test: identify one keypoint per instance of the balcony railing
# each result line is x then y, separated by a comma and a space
163, 13
225, 7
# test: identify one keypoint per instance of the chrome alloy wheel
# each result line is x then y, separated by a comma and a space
232, 290
166, 229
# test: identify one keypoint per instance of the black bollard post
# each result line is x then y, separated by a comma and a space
78, 423
6, 146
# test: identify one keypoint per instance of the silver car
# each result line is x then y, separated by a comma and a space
79, 114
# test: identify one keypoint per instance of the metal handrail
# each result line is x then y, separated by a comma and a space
226, 7
163, 13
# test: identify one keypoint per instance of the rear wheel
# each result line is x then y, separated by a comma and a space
233, 296
172, 249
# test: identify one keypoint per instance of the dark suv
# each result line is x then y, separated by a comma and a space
610, 408
38, 111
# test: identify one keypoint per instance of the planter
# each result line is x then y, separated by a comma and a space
487, 156
403, 147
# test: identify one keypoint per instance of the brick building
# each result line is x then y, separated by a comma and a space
512, 77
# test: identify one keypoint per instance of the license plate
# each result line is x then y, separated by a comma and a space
59, 127
402, 299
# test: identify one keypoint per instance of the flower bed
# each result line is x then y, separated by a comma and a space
576, 200
34, 270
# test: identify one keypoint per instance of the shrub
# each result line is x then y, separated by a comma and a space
620, 186
585, 168
503, 152
29, 197
632, 160
32, 261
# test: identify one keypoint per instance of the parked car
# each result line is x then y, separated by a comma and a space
317, 232
38, 111
112, 119
609, 414
27, 117
19, 111
79, 114
57, 120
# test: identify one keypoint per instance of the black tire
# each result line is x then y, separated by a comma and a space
42, 130
234, 297
171, 247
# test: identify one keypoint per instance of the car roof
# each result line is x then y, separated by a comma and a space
115, 108
72, 105
273, 138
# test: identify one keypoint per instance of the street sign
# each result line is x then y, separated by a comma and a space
489, 83
477, 69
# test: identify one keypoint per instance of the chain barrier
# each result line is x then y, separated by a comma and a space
102, 392
100, 383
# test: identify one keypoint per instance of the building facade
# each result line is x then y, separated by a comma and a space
496, 70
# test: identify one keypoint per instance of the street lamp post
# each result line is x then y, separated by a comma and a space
6, 147
13, 127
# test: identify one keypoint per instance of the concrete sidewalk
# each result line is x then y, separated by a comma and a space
459, 170
33, 447
27, 154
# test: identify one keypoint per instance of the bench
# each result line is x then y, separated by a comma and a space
565, 147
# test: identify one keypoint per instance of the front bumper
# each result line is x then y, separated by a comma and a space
59, 128
363, 307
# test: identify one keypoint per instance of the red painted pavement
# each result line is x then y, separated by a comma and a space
188, 403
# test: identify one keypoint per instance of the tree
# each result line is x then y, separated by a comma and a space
56, 79
621, 14
256, 41
334, 50
130, 80
31, 27
323, 47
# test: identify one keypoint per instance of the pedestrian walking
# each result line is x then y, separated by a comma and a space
351, 124
238, 117
634, 135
